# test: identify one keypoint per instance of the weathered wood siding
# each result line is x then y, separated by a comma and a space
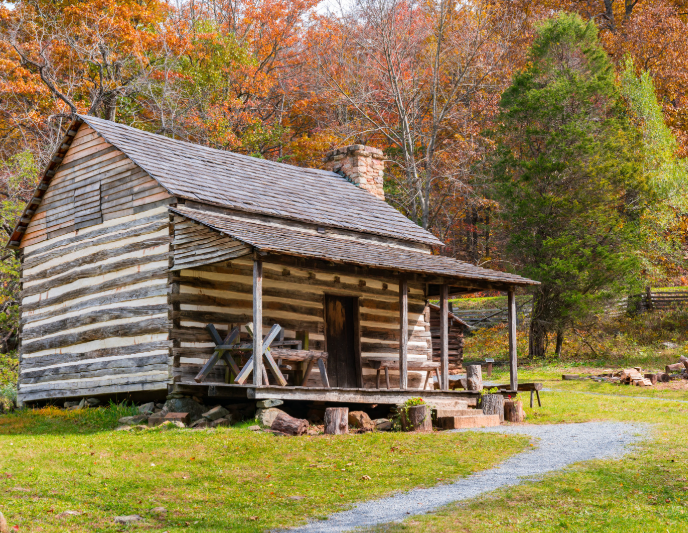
94, 302
221, 294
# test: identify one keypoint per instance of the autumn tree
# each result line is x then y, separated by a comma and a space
414, 78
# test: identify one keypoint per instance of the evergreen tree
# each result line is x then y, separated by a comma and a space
568, 176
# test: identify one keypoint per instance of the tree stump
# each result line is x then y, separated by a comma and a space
336, 420
474, 377
493, 404
416, 418
289, 425
513, 411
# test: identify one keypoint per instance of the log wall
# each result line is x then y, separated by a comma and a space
95, 314
221, 294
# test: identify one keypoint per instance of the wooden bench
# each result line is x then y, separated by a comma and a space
386, 364
533, 388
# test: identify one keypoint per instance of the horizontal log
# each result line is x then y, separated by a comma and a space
245, 288
237, 269
97, 369
93, 317
143, 327
60, 274
94, 387
133, 228
296, 322
34, 363
116, 283
241, 307
115, 297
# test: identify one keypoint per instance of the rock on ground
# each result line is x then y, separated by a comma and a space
222, 422
147, 408
185, 405
201, 423
383, 424
360, 419
129, 519
216, 412
267, 416
93, 402
133, 420
265, 404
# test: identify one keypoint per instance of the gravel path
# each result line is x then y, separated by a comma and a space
557, 446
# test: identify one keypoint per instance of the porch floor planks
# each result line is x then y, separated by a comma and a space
322, 394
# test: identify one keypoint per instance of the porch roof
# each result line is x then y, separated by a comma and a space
299, 242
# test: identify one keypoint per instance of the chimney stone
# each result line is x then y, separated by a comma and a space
363, 165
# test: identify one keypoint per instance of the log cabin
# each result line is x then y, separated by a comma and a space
141, 253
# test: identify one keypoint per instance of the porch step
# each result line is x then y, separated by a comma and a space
444, 413
472, 421
448, 404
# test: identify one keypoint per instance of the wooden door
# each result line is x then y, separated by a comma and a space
340, 338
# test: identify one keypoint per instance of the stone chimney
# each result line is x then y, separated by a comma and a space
363, 165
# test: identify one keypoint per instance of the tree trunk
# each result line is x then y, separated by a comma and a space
560, 342
537, 341
336, 420
493, 404
416, 418
289, 425
513, 411
474, 377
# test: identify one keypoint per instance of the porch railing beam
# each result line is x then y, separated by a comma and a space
403, 334
511, 322
257, 321
444, 337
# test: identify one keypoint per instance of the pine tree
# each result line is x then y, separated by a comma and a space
568, 176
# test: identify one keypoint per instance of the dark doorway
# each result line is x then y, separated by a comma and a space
340, 337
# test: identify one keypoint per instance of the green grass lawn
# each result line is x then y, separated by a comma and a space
646, 491
226, 479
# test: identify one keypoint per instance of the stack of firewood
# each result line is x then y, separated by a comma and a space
633, 376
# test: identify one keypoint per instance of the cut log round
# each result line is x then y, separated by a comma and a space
663, 377
336, 420
569, 377
674, 368
683, 359
289, 425
416, 418
493, 404
513, 411
651, 377
474, 377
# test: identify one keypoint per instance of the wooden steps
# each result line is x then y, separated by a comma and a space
444, 412
468, 421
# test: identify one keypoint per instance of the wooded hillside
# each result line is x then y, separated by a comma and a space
288, 80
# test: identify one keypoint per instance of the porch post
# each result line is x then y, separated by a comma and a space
403, 334
444, 336
257, 321
513, 363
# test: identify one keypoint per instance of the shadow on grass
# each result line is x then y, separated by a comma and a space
55, 421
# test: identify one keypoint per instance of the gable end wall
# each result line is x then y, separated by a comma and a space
94, 277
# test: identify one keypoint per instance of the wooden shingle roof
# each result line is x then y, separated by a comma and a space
256, 185
331, 247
